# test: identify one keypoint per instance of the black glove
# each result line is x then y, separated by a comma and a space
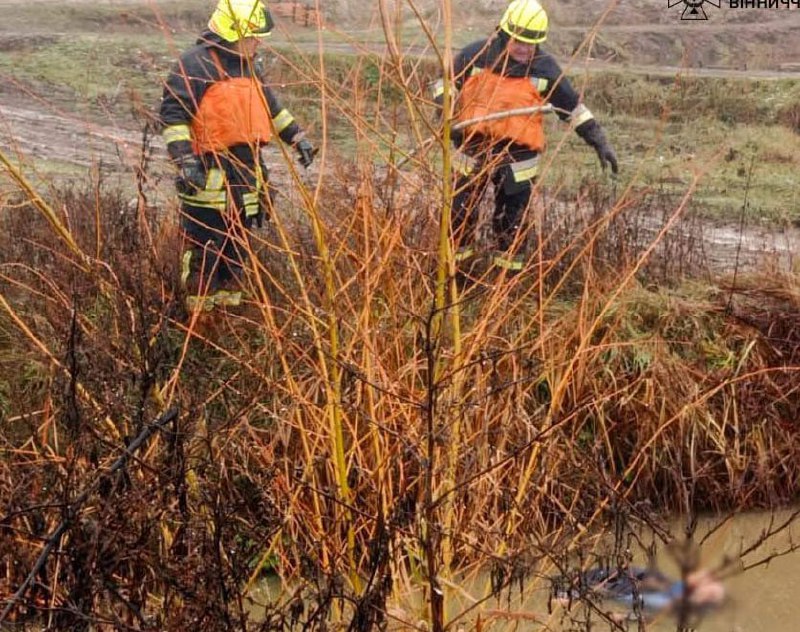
192, 176
306, 152
593, 134
606, 154
457, 136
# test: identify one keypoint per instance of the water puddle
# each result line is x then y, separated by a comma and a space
726, 248
691, 244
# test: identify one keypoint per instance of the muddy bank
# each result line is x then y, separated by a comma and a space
37, 130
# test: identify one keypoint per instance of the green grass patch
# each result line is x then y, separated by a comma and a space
665, 129
90, 66
88, 17
756, 164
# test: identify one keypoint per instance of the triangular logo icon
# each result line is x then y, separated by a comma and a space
693, 13
693, 9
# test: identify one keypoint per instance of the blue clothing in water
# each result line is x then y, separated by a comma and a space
635, 587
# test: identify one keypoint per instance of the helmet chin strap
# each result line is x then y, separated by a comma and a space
239, 48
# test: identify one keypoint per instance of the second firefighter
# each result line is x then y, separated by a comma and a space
508, 71
217, 113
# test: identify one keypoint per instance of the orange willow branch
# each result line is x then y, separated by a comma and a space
44, 208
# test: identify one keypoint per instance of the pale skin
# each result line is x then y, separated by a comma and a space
521, 52
703, 590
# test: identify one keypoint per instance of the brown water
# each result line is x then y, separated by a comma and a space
765, 598
760, 598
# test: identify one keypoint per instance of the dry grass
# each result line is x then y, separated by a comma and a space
360, 427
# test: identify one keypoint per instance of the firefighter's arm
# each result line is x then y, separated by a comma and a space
178, 105
571, 109
288, 130
436, 88
179, 102
460, 68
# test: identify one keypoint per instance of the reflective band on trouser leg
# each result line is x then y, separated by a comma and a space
262, 188
207, 302
260, 176
250, 201
213, 196
462, 254
186, 267
463, 163
525, 170
195, 303
223, 298
506, 262
227, 298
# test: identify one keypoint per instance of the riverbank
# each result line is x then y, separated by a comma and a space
601, 380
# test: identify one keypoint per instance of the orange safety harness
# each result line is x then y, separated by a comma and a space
233, 111
485, 93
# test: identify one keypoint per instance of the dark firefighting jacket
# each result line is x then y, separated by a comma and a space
217, 106
488, 80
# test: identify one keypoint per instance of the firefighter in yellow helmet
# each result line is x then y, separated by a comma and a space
507, 71
217, 113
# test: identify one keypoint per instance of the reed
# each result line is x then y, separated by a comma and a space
361, 428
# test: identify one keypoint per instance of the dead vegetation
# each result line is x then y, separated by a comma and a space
360, 429
562, 396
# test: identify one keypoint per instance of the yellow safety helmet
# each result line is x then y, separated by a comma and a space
233, 20
526, 21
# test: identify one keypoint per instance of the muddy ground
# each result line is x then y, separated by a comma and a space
42, 126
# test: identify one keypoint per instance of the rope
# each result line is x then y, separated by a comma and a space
548, 108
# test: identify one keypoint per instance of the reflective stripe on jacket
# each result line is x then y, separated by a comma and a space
487, 93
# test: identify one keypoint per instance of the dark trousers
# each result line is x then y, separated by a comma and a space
217, 239
215, 249
510, 201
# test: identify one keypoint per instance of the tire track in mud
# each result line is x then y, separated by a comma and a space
43, 135
52, 134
